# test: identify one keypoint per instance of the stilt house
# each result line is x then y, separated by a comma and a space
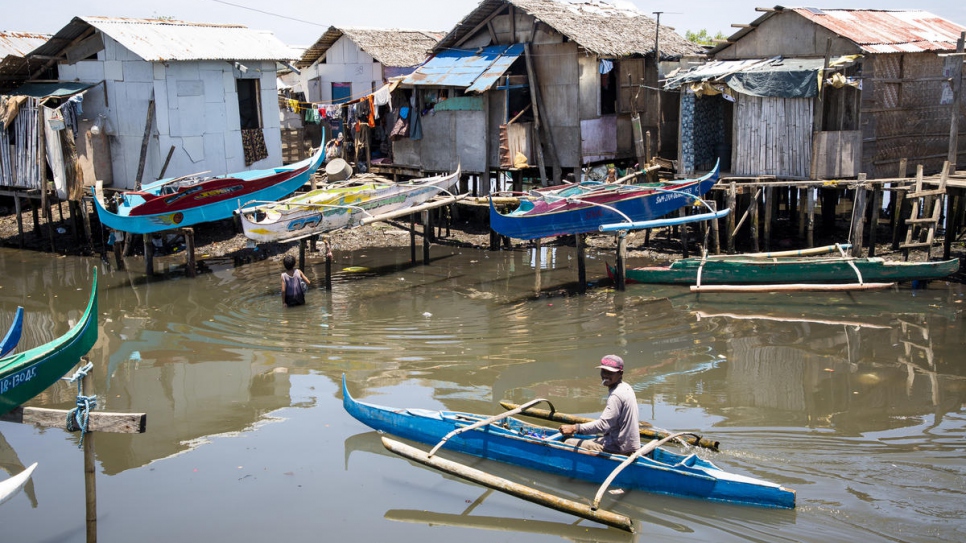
804, 93
345, 64
169, 98
519, 84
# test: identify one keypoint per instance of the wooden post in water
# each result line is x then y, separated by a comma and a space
810, 218
874, 221
302, 254
769, 206
90, 481
327, 247
955, 219
581, 264
427, 234
858, 217
190, 268
148, 254
538, 260
733, 206
753, 221
412, 238
619, 274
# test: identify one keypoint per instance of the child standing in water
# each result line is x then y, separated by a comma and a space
294, 283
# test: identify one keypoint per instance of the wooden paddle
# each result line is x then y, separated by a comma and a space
647, 431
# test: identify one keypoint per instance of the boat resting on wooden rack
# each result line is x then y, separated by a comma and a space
11, 486
12, 337
789, 272
512, 441
334, 208
28, 373
584, 207
184, 201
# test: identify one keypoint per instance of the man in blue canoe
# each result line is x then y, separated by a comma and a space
618, 425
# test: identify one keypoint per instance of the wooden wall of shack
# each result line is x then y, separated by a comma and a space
898, 112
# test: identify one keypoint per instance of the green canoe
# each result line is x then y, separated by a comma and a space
738, 270
26, 374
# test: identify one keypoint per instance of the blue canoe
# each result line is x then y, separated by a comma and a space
585, 207
515, 442
185, 201
9, 341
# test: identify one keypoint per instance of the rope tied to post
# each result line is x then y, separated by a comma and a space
78, 417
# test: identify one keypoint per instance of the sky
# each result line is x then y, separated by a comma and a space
302, 22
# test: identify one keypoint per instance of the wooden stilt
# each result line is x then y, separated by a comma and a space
427, 235
858, 217
302, 254
190, 268
538, 261
412, 238
19, 210
581, 264
874, 221
753, 220
684, 233
769, 207
733, 206
621, 262
810, 218
327, 247
148, 254
118, 248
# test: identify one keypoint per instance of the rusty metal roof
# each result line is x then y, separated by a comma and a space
172, 40
18, 44
888, 31
873, 30
474, 70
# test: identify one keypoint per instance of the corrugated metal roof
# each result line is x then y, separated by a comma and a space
874, 31
170, 40
888, 31
474, 70
20, 43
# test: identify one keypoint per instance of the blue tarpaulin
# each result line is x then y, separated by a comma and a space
475, 70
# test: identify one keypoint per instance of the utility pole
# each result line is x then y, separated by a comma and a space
657, 68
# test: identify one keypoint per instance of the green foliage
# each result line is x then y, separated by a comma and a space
702, 37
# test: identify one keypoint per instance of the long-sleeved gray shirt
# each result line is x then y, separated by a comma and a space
619, 423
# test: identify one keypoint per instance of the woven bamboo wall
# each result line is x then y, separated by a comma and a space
772, 136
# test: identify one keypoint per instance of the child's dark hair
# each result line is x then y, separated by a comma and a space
288, 262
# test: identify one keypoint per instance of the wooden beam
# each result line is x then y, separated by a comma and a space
483, 23
100, 421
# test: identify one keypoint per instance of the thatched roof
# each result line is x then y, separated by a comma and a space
391, 47
598, 27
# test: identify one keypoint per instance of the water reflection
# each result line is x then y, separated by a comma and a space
856, 401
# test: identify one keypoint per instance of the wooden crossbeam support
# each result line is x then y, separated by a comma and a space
100, 421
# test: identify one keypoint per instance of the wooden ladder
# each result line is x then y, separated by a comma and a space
925, 225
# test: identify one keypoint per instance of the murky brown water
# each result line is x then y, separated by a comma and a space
855, 401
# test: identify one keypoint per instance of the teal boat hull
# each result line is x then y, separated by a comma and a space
27, 374
762, 271
514, 442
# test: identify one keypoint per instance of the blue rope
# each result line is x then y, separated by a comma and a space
78, 417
